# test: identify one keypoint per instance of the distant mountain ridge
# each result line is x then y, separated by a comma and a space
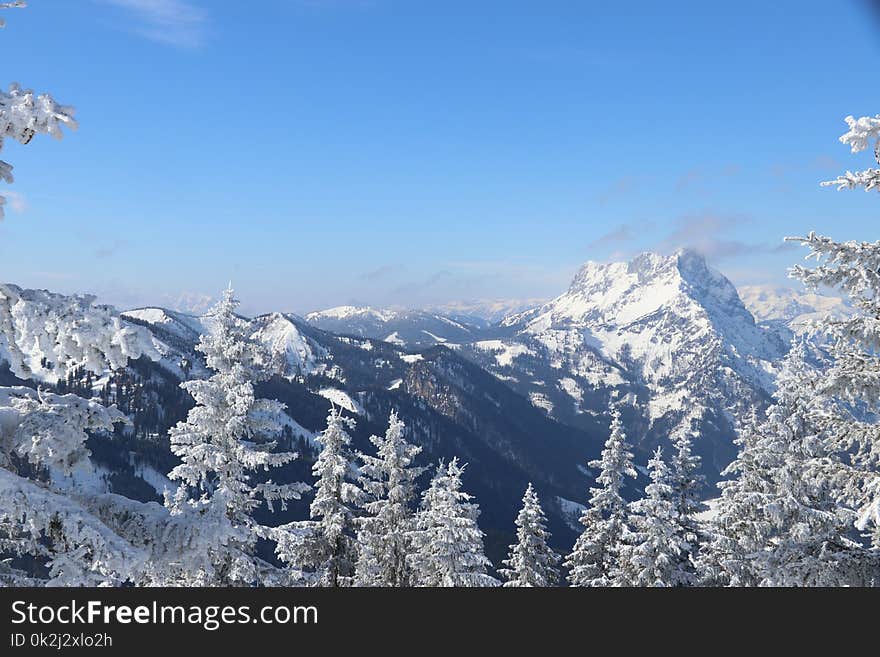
791, 307
414, 328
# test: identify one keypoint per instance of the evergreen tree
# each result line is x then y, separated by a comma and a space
324, 549
531, 561
448, 544
687, 482
226, 438
652, 555
779, 523
389, 481
594, 561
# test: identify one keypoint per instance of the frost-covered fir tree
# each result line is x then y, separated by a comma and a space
389, 483
323, 551
24, 115
594, 560
448, 544
778, 521
225, 441
652, 554
687, 483
531, 561
848, 395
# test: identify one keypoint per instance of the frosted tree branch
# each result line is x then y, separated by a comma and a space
859, 137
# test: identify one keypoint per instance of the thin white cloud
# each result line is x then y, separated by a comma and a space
176, 23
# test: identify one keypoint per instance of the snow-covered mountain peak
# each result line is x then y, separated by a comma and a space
349, 313
621, 293
671, 322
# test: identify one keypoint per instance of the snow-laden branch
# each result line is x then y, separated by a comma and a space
869, 179
45, 334
861, 133
24, 114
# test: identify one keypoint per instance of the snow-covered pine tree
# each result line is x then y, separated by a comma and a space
778, 522
225, 440
738, 529
848, 395
687, 482
389, 483
23, 115
531, 561
447, 542
652, 554
594, 559
323, 551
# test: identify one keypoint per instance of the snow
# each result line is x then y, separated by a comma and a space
666, 401
794, 308
342, 399
490, 310
154, 478
436, 338
395, 384
284, 341
348, 312
571, 512
149, 315
540, 400
395, 338
670, 323
43, 335
572, 389
411, 358
711, 513
504, 352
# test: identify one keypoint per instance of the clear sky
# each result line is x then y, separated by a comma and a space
321, 152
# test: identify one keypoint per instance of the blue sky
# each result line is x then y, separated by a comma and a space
321, 152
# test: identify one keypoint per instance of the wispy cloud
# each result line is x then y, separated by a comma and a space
708, 233
178, 23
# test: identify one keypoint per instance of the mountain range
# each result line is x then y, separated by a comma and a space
520, 397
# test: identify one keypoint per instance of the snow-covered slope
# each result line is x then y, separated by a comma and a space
413, 328
295, 354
